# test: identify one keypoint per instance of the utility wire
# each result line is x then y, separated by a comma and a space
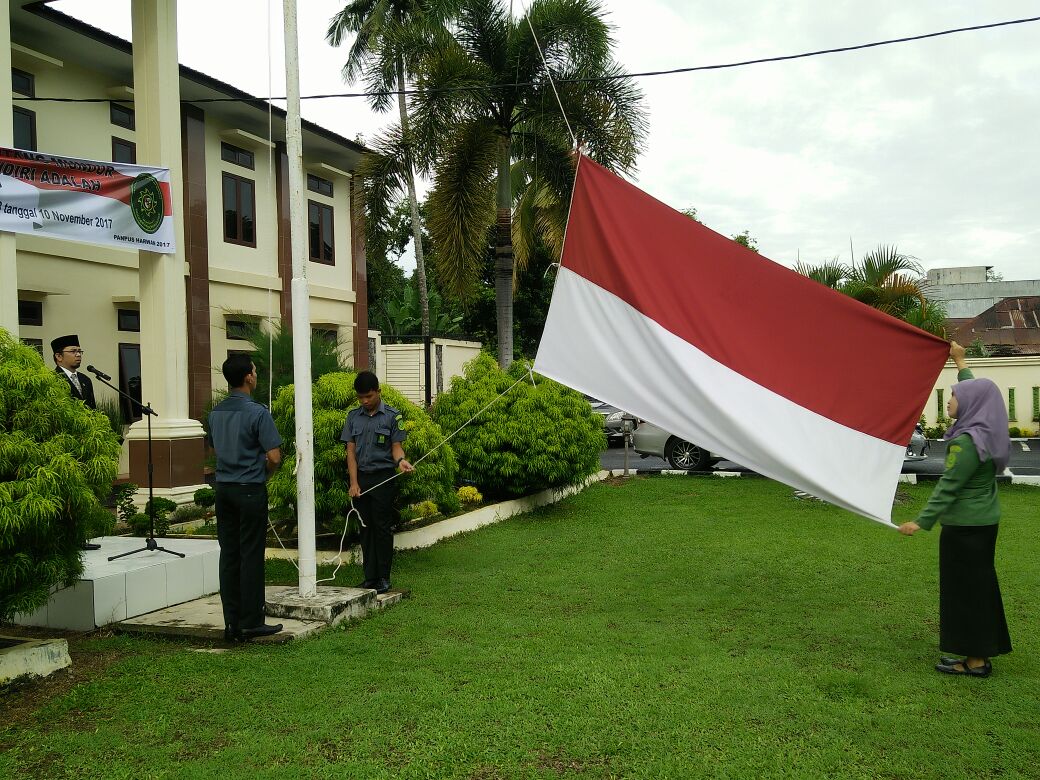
692, 69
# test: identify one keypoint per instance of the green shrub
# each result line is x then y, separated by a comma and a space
163, 507
469, 495
535, 437
139, 524
1015, 432
100, 522
205, 497
124, 498
333, 397
57, 463
425, 509
187, 513
111, 408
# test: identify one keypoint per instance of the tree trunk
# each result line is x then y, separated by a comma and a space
504, 258
420, 262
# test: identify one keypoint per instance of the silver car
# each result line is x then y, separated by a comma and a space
613, 422
648, 439
917, 447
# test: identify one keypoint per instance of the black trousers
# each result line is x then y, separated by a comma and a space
241, 531
971, 611
380, 516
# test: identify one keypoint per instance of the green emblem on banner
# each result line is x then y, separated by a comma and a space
146, 202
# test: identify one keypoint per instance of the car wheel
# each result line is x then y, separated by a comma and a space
684, 456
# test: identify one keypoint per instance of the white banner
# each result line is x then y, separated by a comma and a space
113, 204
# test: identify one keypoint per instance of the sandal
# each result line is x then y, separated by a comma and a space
961, 667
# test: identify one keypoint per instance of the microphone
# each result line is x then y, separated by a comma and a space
99, 374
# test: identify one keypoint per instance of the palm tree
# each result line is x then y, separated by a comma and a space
379, 56
489, 126
886, 280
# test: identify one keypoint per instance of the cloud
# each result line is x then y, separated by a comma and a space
928, 145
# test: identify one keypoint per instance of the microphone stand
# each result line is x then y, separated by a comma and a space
146, 409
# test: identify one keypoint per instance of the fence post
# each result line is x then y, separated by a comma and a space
428, 370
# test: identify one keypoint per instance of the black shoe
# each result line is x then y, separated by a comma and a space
369, 584
90, 546
264, 629
950, 660
961, 667
383, 586
232, 634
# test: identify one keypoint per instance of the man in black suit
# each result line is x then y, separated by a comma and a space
67, 357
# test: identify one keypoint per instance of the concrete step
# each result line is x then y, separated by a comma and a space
331, 605
204, 618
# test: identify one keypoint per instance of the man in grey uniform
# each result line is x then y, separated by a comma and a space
248, 448
373, 437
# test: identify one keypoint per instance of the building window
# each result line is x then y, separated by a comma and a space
240, 330
236, 155
239, 207
319, 217
123, 151
319, 185
130, 380
121, 115
128, 320
36, 344
30, 313
24, 129
330, 335
23, 83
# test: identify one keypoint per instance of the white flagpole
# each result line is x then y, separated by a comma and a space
301, 326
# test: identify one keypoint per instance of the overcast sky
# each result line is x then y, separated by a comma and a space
930, 145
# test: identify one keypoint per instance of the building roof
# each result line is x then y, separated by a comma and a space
1012, 326
30, 20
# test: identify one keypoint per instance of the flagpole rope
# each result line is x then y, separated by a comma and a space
353, 510
270, 169
552, 83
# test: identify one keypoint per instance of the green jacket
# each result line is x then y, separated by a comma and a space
967, 492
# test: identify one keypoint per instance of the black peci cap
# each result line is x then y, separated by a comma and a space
60, 343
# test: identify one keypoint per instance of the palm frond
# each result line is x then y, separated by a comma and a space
830, 274
462, 206
383, 173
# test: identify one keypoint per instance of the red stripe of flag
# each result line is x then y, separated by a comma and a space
814, 346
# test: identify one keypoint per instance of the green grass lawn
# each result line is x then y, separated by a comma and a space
662, 628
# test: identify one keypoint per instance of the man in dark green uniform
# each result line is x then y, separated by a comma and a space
248, 448
373, 437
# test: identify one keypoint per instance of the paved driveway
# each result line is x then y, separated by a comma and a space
1025, 460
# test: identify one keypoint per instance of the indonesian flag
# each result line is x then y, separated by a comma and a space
676, 324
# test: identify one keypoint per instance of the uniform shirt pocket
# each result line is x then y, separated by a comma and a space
357, 430
381, 436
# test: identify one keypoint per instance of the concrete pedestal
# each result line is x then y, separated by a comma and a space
31, 657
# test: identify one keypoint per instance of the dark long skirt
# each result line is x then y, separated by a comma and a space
971, 612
